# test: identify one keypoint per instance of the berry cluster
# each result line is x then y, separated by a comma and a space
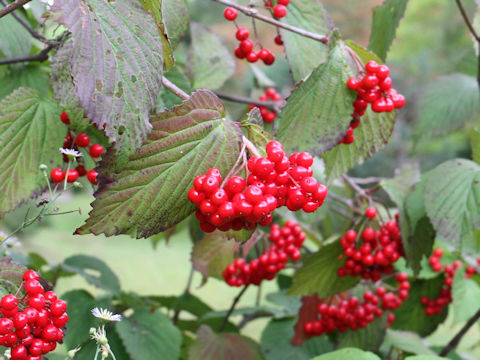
354, 314
32, 326
435, 306
375, 88
72, 141
375, 254
273, 182
286, 243
267, 115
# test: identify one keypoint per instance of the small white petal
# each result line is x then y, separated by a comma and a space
70, 152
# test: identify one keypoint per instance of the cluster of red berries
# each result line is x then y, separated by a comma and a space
375, 254
273, 182
435, 306
32, 326
375, 88
286, 243
267, 115
354, 314
72, 141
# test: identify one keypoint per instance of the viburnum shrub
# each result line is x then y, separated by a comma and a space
318, 175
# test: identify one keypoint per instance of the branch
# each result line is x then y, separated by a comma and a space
13, 6
271, 105
232, 307
467, 20
174, 89
254, 13
32, 32
456, 339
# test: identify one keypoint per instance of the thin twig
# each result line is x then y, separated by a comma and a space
254, 13
175, 89
456, 339
250, 317
32, 32
250, 146
467, 20
13, 6
232, 307
271, 105
342, 212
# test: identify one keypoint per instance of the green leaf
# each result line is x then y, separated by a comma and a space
212, 254
406, 341
30, 136
475, 144
167, 99
368, 338
256, 134
348, 354
304, 54
176, 20
291, 304
372, 135
210, 63
88, 267
32, 76
384, 25
80, 319
465, 295
363, 53
425, 357
11, 275
411, 315
319, 274
15, 40
116, 65
211, 346
275, 342
149, 194
419, 244
446, 104
452, 201
148, 335
319, 110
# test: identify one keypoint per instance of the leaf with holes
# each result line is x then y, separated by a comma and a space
149, 194
304, 54
211, 346
446, 104
319, 274
210, 62
147, 335
452, 201
385, 21
30, 135
319, 110
116, 65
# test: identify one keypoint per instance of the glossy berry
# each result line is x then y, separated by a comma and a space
278, 40
242, 34
96, 150
230, 14
279, 11
64, 118
57, 175
371, 212
92, 176
72, 175
82, 140
8, 302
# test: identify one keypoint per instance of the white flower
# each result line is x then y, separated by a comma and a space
106, 315
71, 153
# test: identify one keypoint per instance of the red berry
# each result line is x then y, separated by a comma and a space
57, 175
92, 176
19, 352
96, 150
8, 302
284, 2
279, 11
81, 170
371, 67
58, 307
230, 14
371, 212
242, 34
30, 275
82, 140
64, 118
438, 252
252, 56
353, 83
72, 175
278, 40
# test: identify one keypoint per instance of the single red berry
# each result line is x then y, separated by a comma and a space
8, 302
246, 46
96, 150
6, 326
58, 307
353, 83
371, 67
92, 176
81, 170
438, 252
20, 320
30, 275
278, 40
82, 140
49, 333
64, 118
252, 56
242, 34
57, 175
284, 2
33, 287
371, 212
72, 175
279, 11
19, 352
230, 14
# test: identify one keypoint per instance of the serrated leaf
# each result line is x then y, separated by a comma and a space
210, 62
446, 104
211, 346
465, 295
212, 254
452, 201
116, 65
385, 21
176, 20
419, 244
304, 54
275, 342
84, 265
475, 144
348, 354
368, 338
406, 341
32, 76
149, 194
372, 135
29, 136
319, 110
148, 335
15, 40
319, 274
414, 319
